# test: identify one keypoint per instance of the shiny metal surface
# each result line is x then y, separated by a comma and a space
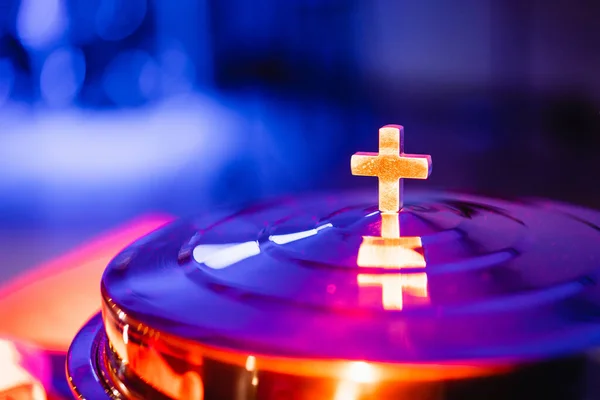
281, 279
97, 372
84, 368
277, 286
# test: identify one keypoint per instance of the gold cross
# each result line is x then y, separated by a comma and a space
391, 165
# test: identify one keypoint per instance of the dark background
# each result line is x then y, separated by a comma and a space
114, 108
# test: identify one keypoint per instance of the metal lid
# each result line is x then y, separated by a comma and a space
467, 279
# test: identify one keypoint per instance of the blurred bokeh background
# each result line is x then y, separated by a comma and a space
113, 108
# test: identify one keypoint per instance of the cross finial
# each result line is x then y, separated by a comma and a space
391, 165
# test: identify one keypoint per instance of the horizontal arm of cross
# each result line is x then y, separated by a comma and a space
391, 167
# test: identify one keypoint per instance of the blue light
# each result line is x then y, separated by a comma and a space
41, 22
117, 19
62, 76
131, 78
177, 70
7, 79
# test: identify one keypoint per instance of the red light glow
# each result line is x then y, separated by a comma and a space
48, 305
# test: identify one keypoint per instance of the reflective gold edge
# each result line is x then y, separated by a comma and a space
133, 386
190, 353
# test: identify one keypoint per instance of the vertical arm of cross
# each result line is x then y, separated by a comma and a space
391, 140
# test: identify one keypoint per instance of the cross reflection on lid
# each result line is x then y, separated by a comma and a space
390, 250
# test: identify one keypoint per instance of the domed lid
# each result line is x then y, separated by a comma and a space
469, 277
448, 278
